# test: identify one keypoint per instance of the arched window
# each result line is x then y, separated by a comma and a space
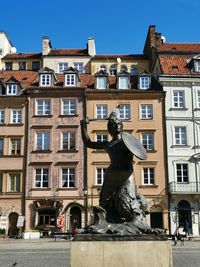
103, 68
113, 70
134, 70
123, 68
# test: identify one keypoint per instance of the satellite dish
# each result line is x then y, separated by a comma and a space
13, 50
119, 60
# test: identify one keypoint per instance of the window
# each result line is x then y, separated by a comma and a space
70, 79
100, 175
101, 111
198, 99
22, 65
180, 136
1, 183
11, 89
178, 99
146, 112
124, 111
148, 175
8, 66
35, 65
62, 67
47, 217
68, 141
15, 147
79, 67
182, 173
113, 70
144, 82
68, 177
1, 147
45, 79
134, 70
41, 177
14, 183
42, 140
101, 137
103, 68
16, 116
69, 107
197, 66
123, 83
2, 115
148, 141
42, 107
101, 83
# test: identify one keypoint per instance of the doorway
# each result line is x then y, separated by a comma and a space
75, 217
156, 217
184, 213
13, 231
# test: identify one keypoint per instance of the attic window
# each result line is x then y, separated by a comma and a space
45, 80
101, 82
11, 89
144, 82
70, 79
197, 66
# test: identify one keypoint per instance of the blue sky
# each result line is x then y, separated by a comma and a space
119, 27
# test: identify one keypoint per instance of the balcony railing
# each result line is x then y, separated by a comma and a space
184, 187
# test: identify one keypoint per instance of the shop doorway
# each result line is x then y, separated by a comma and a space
13, 231
184, 213
75, 217
156, 217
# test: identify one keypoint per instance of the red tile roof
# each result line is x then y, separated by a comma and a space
24, 77
23, 56
176, 65
68, 52
179, 47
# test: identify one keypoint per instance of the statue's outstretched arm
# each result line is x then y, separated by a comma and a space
86, 138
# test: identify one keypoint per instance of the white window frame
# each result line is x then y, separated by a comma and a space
101, 82
123, 82
44, 135
70, 140
70, 177
147, 140
178, 100
182, 175
12, 183
62, 66
100, 175
149, 176
15, 145
2, 116
101, 111
78, 66
70, 79
198, 98
180, 135
16, 118
125, 111
147, 111
44, 177
101, 137
46, 107
197, 65
69, 107
144, 82
45, 79
11, 89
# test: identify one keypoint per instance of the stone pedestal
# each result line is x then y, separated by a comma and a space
137, 253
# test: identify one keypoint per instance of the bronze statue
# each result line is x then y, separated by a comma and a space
121, 209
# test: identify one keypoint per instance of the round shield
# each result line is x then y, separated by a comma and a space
134, 145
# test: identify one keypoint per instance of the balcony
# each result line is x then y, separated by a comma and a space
186, 188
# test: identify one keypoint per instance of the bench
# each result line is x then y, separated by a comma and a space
57, 235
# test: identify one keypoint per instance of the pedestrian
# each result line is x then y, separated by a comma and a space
186, 228
74, 231
176, 236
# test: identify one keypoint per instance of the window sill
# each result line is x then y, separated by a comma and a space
11, 156
41, 188
68, 116
99, 151
148, 186
42, 116
180, 146
14, 124
13, 193
41, 151
178, 109
67, 189
68, 151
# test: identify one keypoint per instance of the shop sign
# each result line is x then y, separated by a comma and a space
20, 221
60, 221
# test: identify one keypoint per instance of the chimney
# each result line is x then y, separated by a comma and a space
91, 47
46, 45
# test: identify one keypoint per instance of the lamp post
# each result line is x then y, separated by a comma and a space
85, 191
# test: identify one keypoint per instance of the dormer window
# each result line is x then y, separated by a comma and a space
123, 80
45, 80
144, 82
70, 80
197, 66
101, 83
11, 89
